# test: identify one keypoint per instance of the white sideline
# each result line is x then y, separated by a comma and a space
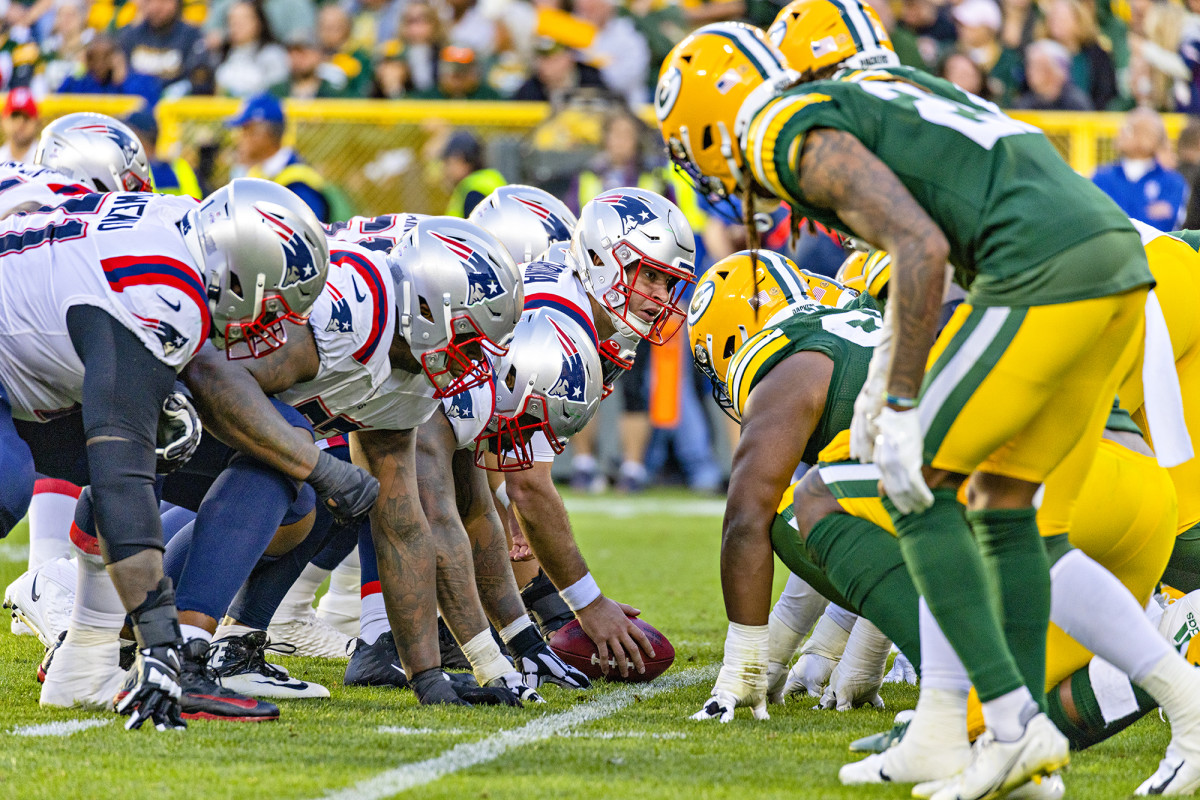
64, 728
470, 754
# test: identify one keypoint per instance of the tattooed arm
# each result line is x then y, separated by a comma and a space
763, 465
838, 173
403, 545
231, 397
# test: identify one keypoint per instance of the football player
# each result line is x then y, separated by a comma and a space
108, 296
850, 150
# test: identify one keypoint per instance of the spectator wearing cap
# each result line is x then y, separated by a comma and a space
105, 71
421, 35
978, 25
162, 44
260, 153
308, 76
557, 72
391, 76
1138, 182
463, 168
459, 78
333, 34
617, 50
1072, 25
170, 177
20, 124
252, 60
1048, 75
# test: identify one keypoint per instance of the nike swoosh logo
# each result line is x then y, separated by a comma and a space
1162, 787
297, 685
33, 592
883, 776
174, 306
398, 669
359, 296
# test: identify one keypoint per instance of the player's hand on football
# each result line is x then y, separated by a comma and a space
617, 639
520, 550
348, 491
899, 454
155, 690
849, 688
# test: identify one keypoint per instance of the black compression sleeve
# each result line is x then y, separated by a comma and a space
124, 386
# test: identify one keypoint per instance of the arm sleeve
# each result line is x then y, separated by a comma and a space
124, 386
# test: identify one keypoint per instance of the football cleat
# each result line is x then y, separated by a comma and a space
540, 665
998, 767
452, 655
878, 742
1175, 776
19, 628
312, 636
42, 598
515, 683
1180, 621
240, 662
1042, 787
906, 762
205, 698
81, 671
376, 664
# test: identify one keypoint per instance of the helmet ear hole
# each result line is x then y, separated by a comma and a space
235, 285
706, 138
730, 347
426, 311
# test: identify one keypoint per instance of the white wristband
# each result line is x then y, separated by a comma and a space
502, 495
581, 594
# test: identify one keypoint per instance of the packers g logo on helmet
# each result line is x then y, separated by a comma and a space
813, 34
867, 272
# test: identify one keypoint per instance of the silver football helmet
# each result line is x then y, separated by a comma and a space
550, 381
525, 219
265, 259
459, 296
97, 151
636, 253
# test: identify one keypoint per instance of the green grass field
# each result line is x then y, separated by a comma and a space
659, 552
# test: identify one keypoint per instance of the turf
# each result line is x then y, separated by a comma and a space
659, 552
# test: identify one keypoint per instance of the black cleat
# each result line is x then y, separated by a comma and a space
205, 698
376, 664
452, 655
543, 601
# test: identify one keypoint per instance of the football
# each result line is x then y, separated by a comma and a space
574, 647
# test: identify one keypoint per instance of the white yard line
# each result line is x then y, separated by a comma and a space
471, 754
400, 730
64, 728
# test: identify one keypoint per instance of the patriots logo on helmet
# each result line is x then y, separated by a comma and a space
127, 144
483, 283
461, 407
634, 210
571, 379
555, 228
172, 340
340, 318
299, 263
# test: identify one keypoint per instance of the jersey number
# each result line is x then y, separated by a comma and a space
983, 124
20, 241
322, 421
860, 327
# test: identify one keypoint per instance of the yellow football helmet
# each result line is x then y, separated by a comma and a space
725, 311
828, 291
868, 272
702, 86
813, 34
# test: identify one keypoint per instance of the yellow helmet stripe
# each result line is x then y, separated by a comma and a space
794, 289
861, 29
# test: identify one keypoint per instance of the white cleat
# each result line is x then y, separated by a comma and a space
1181, 620
83, 672
241, 664
43, 597
997, 767
907, 762
340, 609
1044, 787
1175, 775
19, 628
310, 635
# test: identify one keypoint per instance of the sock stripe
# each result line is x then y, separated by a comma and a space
371, 587
56, 486
84, 541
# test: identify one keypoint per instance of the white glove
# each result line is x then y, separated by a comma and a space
743, 677
899, 454
870, 399
783, 642
859, 675
777, 674
818, 657
901, 672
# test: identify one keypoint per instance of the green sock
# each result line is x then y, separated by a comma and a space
1019, 573
786, 542
1183, 570
1086, 726
947, 569
864, 564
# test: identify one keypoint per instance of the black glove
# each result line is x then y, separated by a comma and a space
541, 665
179, 432
434, 687
348, 491
152, 690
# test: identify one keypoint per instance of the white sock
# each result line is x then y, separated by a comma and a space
845, 619
1175, 684
372, 620
97, 604
487, 662
346, 578
799, 605
510, 631
940, 721
782, 640
1007, 714
51, 512
941, 667
192, 632
300, 597
1096, 610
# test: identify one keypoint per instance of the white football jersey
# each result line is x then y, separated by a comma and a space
120, 252
353, 322
374, 233
28, 187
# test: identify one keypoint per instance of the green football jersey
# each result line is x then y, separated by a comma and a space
996, 187
847, 336
1191, 237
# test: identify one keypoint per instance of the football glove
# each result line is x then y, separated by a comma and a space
777, 674
859, 675
869, 402
515, 683
901, 672
347, 490
179, 432
819, 655
152, 690
899, 450
743, 677
540, 665
434, 687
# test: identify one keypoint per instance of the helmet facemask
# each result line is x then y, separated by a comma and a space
462, 363
634, 265
509, 436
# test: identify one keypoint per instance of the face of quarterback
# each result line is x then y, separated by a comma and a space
651, 291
